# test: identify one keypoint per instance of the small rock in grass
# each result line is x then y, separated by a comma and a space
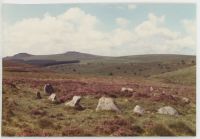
186, 100
138, 110
75, 103
151, 89
168, 110
53, 97
126, 89
38, 95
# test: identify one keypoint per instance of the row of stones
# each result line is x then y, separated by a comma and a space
105, 103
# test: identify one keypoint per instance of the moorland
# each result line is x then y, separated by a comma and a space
171, 76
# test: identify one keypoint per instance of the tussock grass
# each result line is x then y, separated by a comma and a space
23, 115
159, 130
181, 129
64, 121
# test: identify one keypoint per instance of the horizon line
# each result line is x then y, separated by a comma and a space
99, 55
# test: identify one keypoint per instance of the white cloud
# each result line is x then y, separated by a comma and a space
131, 6
120, 7
154, 26
76, 30
123, 22
73, 30
190, 26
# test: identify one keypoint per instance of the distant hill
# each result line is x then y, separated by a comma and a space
156, 58
21, 55
68, 56
84, 58
83, 63
18, 56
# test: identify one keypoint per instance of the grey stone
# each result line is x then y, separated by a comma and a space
186, 100
126, 89
151, 89
38, 95
53, 97
48, 89
138, 110
107, 103
75, 102
168, 110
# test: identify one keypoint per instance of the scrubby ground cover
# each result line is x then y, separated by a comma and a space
24, 115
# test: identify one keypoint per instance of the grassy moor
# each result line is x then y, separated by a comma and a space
150, 82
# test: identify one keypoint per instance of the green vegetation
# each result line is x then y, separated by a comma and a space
183, 76
171, 76
43, 118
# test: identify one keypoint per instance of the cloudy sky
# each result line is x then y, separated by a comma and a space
102, 29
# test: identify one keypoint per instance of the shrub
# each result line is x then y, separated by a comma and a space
45, 123
181, 128
137, 129
158, 130
118, 68
74, 131
8, 131
140, 70
28, 132
111, 74
182, 62
123, 132
118, 127
193, 62
46, 133
38, 112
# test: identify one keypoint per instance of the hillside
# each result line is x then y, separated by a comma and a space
25, 115
18, 56
85, 58
68, 56
139, 65
82, 63
172, 78
182, 76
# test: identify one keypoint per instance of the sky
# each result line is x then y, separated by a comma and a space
101, 29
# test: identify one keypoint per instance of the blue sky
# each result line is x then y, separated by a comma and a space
174, 14
106, 12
